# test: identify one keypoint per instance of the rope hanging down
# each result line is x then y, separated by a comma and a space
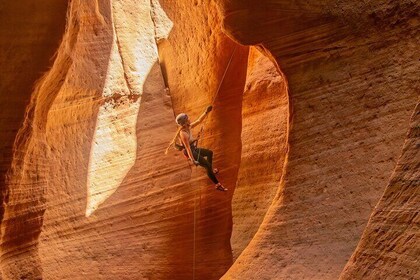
173, 142
198, 137
218, 89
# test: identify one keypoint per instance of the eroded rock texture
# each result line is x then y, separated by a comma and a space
90, 192
393, 229
306, 129
352, 74
194, 59
29, 36
27, 42
265, 120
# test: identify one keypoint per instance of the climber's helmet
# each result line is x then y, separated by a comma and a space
182, 119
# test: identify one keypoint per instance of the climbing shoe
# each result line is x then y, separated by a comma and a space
219, 187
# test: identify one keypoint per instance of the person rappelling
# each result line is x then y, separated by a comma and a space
184, 141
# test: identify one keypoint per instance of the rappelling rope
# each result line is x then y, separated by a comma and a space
195, 202
189, 166
199, 151
199, 134
215, 96
198, 137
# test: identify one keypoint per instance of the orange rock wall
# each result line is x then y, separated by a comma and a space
389, 248
90, 189
29, 35
91, 195
352, 90
194, 59
265, 119
27, 42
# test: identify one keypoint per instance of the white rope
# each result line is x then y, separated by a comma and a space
198, 157
195, 199
215, 96
224, 74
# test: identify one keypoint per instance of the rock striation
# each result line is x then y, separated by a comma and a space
90, 193
393, 228
27, 42
351, 71
308, 124
265, 120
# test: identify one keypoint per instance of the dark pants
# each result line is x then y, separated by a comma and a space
200, 155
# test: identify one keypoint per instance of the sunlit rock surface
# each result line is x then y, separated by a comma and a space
307, 129
265, 120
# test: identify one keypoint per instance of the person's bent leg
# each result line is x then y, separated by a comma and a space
208, 154
204, 163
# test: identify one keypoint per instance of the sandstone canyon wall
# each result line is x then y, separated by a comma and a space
306, 129
194, 59
29, 36
393, 229
90, 193
352, 75
265, 121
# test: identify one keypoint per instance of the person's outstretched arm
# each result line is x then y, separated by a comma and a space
201, 118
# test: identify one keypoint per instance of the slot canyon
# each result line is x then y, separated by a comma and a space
315, 130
